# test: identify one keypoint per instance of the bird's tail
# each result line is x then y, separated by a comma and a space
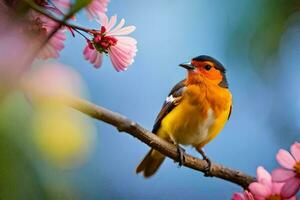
150, 163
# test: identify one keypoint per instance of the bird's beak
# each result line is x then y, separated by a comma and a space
187, 66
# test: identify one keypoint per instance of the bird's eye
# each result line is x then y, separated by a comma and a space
207, 67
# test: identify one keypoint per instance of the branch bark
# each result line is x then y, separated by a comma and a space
123, 124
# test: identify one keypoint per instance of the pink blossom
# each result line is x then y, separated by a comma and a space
289, 173
265, 188
93, 56
97, 8
242, 196
43, 26
111, 40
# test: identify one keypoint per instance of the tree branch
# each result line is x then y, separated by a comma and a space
123, 124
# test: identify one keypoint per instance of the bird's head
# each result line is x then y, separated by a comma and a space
205, 69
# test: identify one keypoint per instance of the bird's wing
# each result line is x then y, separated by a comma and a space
171, 102
230, 112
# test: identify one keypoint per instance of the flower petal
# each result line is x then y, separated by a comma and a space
291, 187
259, 190
98, 61
111, 23
126, 56
103, 20
93, 57
54, 44
276, 188
87, 52
280, 174
117, 62
285, 159
97, 9
123, 31
295, 150
248, 195
263, 176
119, 26
127, 45
238, 196
242, 196
126, 40
293, 198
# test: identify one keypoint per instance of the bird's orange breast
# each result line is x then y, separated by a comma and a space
199, 117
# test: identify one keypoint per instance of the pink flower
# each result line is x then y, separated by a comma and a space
97, 8
93, 55
42, 27
242, 196
121, 49
265, 188
289, 173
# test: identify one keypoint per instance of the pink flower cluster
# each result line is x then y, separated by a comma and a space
111, 39
97, 8
289, 172
282, 184
42, 27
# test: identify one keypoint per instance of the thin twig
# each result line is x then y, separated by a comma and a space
59, 21
123, 124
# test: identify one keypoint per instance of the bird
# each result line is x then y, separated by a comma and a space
194, 112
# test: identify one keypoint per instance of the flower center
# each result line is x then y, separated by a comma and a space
274, 197
297, 168
103, 42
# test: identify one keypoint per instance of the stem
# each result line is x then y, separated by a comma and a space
77, 31
61, 22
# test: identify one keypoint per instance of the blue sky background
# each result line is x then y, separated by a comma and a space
266, 102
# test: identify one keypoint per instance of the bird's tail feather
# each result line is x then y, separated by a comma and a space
150, 164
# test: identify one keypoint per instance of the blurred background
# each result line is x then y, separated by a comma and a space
52, 152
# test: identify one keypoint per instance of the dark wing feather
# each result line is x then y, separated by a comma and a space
230, 112
171, 102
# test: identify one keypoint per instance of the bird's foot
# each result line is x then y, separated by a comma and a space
181, 158
208, 168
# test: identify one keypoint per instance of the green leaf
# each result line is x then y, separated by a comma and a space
77, 6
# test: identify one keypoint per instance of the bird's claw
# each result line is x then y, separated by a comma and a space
181, 158
208, 168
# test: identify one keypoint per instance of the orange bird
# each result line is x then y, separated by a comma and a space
194, 112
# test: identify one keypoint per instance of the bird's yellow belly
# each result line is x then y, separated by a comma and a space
189, 124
